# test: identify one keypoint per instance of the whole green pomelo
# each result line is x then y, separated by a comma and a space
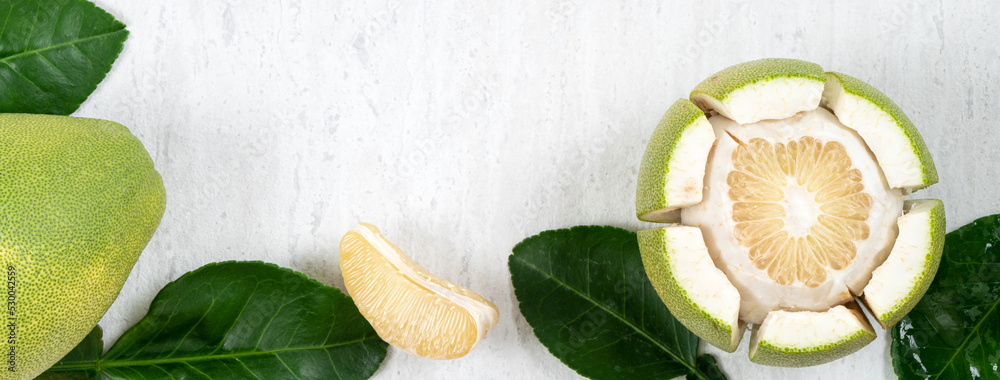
79, 200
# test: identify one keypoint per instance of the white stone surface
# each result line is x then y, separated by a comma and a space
460, 128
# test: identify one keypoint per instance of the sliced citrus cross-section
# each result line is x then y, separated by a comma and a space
809, 210
802, 209
407, 306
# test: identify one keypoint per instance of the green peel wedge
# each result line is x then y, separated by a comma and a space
806, 338
696, 292
673, 167
760, 90
915, 255
890, 134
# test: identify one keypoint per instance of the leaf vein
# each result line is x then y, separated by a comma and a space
286, 366
56, 46
625, 321
154, 361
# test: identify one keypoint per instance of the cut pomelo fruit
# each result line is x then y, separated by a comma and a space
802, 201
407, 306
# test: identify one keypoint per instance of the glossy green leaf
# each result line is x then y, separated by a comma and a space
53, 53
245, 320
79, 364
584, 292
708, 367
954, 331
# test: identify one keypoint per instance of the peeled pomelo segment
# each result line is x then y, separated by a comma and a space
773, 88
408, 307
806, 338
696, 292
899, 283
889, 133
673, 168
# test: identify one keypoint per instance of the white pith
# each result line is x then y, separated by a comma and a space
683, 186
777, 98
889, 143
705, 285
909, 259
759, 293
484, 315
806, 211
808, 328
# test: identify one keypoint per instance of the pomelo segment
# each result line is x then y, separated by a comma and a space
772, 88
673, 167
901, 152
696, 292
807, 338
408, 307
899, 283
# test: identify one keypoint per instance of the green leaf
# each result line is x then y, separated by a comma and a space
81, 363
245, 320
54, 53
585, 293
954, 331
707, 365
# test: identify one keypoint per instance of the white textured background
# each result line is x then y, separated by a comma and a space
462, 128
